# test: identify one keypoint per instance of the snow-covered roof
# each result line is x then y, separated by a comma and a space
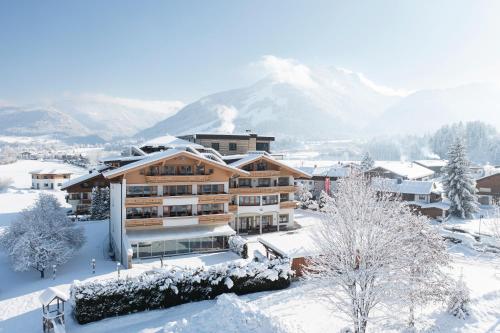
431, 163
404, 186
294, 244
169, 141
121, 158
197, 231
334, 171
50, 293
408, 170
158, 156
51, 171
255, 156
443, 205
80, 179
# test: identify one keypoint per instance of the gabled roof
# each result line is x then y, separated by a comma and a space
405, 186
50, 293
408, 170
51, 172
169, 141
496, 174
80, 179
167, 154
255, 156
431, 163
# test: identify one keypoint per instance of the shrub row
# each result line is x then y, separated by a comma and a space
99, 299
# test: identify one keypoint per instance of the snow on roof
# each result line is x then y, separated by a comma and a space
443, 205
50, 293
80, 179
408, 170
432, 163
50, 171
294, 244
122, 158
169, 141
254, 156
153, 157
179, 233
405, 186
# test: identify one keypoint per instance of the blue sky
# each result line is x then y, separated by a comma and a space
182, 50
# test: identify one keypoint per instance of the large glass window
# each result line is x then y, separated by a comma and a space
142, 191
170, 247
284, 197
262, 146
141, 212
283, 181
178, 210
182, 246
206, 209
177, 190
245, 182
284, 218
211, 189
144, 250
157, 248
169, 170
270, 200
185, 170
233, 146
264, 182
249, 201
206, 244
216, 146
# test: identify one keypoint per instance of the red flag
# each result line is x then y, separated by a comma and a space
327, 185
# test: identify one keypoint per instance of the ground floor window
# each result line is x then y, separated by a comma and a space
284, 218
178, 247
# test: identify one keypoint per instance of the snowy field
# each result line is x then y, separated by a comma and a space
296, 309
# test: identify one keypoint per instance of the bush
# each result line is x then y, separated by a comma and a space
95, 300
239, 245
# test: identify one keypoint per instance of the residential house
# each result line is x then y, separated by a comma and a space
80, 190
397, 169
263, 200
49, 179
323, 178
488, 189
231, 144
435, 165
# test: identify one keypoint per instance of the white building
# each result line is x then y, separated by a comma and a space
49, 179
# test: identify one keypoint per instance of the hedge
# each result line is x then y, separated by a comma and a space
163, 288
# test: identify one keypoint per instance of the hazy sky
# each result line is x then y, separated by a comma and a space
183, 50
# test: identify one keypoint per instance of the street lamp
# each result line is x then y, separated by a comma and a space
54, 272
118, 267
480, 220
93, 265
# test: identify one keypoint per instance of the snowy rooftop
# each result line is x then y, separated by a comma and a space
408, 170
405, 186
293, 244
254, 156
170, 141
334, 171
179, 233
432, 163
50, 293
80, 179
50, 171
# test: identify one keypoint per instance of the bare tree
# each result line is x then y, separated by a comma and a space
365, 243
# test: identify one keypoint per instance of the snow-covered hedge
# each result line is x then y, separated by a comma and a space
95, 300
238, 245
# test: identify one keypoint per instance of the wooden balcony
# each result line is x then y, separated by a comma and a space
266, 173
178, 179
214, 219
150, 223
288, 204
233, 208
262, 190
144, 201
213, 198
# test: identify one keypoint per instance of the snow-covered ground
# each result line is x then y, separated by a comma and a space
296, 309
20, 195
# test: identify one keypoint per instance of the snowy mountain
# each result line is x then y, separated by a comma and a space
426, 110
36, 121
316, 105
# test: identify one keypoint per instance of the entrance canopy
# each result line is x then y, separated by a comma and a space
135, 236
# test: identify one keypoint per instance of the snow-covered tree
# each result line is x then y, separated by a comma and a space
367, 162
323, 200
99, 207
42, 236
459, 185
367, 242
423, 280
303, 196
5, 183
458, 303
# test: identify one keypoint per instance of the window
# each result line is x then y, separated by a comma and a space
245, 182
269, 200
249, 201
200, 169
284, 218
185, 170
264, 182
262, 146
178, 210
215, 145
233, 146
261, 166
283, 181
142, 191
284, 197
207, 209
211, 189
169, 170
422, 198
141, 212
144, 250
177, 190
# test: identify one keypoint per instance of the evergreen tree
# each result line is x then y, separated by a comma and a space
324, 198
459, 186
99, 207
458, 304
367, 162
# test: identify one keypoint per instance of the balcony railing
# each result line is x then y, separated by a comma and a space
178, 178
156, 222
262, 190
213, 198
215, 218
264, 173
288, 204
144, 201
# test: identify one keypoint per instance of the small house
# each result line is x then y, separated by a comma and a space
49, 179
